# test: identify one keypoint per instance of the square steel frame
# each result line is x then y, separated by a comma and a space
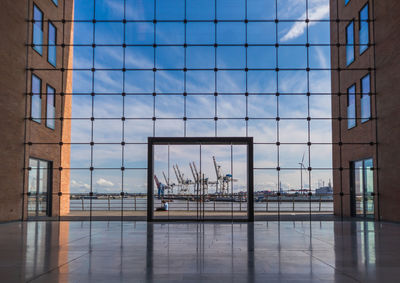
248, 141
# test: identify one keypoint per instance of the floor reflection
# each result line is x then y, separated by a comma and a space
193, 251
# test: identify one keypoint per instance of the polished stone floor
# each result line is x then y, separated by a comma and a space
192, 252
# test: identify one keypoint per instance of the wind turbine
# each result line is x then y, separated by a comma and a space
301, 172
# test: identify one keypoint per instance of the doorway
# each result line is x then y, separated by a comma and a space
362, 188
39, 187
200, 179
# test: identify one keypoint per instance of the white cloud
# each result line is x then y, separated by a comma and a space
79, 185
318, 12
104, 183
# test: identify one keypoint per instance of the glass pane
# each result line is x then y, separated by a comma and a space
351, 107
32, 185
200, 10
230, 33
350, 43
170, 10
369, 176
139, 10
230, 9
43, 187
359, 187
364, 33
50, 108
261, 33
365, 99
135, 187
43, 172
200, 33
369, 186
52, 51
261, 9
38, 29
36, 101
261, 57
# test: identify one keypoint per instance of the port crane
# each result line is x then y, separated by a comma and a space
160, 187
223, 182
200, 182
183, 184
170, 187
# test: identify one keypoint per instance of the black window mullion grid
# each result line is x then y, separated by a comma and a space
62, 98
28, 101
308, 110
231, 148
123, 115
185, 73
154, 66
216, 45
215, 69
92, 112
246, 72
277, 108
376, 161
338, 26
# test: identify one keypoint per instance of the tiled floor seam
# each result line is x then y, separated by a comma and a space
55, 268
331, 266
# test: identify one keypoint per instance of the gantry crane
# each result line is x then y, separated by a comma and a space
222, 181
184, 184
170, 187
200, 182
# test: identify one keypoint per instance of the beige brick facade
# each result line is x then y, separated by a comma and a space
385, 130
15, 103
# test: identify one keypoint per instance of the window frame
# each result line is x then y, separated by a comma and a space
363, 120
55, 2
363, 170
49, 183
366, 6
352, 45
346, 2
53, 46
355, 107
34, 46
37, 120
52, 127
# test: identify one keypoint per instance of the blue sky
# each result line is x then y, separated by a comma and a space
200, 85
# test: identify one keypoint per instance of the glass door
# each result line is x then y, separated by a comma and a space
223, 182
368, 188
362, 189
177, 187
39, 185
198, 180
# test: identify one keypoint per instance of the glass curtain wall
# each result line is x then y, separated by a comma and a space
212, 68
